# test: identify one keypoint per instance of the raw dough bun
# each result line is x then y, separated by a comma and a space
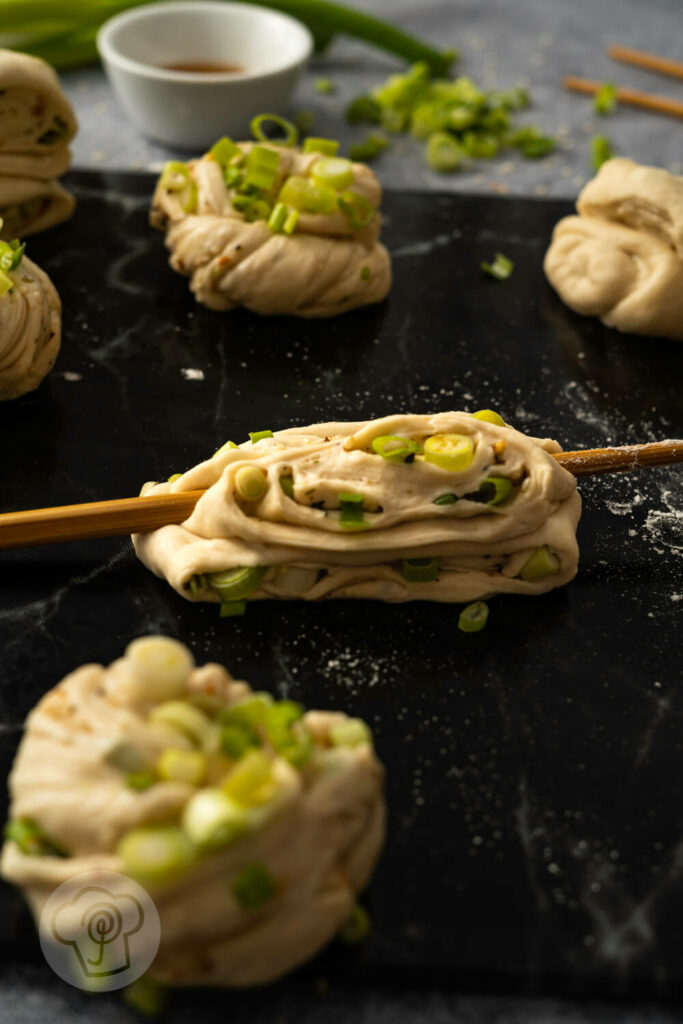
320, 843
33, 105
622, 258
316, 272
480, 549
29, 205
30, 330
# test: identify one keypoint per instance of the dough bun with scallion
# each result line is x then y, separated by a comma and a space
252, 824
448, 507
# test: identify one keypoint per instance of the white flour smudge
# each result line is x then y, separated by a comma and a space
192, 374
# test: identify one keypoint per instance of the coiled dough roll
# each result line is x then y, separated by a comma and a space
324, 268
30, 205
622, 258
253, 855
30, 330
505, 523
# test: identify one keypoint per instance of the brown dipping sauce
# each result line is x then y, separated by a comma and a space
205, 67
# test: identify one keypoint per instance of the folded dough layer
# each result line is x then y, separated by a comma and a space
29, 205
622, 258
312, 822
411, 510
324, 268
30, 330
36, 119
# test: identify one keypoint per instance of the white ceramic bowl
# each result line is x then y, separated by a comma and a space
192, 109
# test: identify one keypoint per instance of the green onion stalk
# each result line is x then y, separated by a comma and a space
63, 31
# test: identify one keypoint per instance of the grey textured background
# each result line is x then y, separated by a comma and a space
501, 43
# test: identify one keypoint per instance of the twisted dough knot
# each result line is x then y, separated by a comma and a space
324, 268
30, 330
622, 258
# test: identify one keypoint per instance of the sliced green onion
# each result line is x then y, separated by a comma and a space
401, 91
249, 782
453, 452
489, 416
446, 499
291, 222
531, 142
287, 485
304, 121
501, 268
325, 86
262, 168
254, 886
175, 176
146, 996
291, 134
252, 208
395, 449
250, 483
369, 148
160, 667
357, 928
419, 570
212, 820
175, 476
480, 145
303, 194
183, 766
237, 739
258, 435
251, 711
601, 151
278, 219
605, 100
224, 150
364, 109
539, 565
140, 781
11, 254
328, 147
129, 757
335, 171
496, 489
285, 733
156, 854
351, 514
443, 153
231, 609
196, 583
473, 617
224, 448
359, 210
353, 732
6, 283
234, 176
186, 719
365, 273
236, 584
31, 839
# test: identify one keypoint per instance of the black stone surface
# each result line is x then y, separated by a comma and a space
535, 769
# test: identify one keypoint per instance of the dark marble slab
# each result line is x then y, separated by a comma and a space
534, 770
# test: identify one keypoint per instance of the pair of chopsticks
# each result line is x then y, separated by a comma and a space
634, 97
140, 515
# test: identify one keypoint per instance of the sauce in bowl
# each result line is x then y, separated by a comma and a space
205, 67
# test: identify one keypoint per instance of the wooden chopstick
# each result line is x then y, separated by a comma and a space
140, 515
632, 97
649, 61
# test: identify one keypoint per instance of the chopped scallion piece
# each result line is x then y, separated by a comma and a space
212, 820
453, 452
249, 782
156, 854
175, 176
369, 148
325, 86
539, 565
236, 584
357, 928
183, 766
225, 447
496, 489
352, 732
174, 476
254, 886
304, 121
250, 483
31, 839
141, 780
285, 732
250, 711
359, 210
237, 739
446, 499
601, 151
234, 176
303, 194
489, 416
531, 142
365, 273
328, 147
480, 144
501, 268
419, 570
11, 254
224, 150
257, 435
230, 609
605, 100
262, 168
6, 283
291, 222
442, 152
351, 512
334, 171
395, 449
291, 134
287, 485
473, 617
278, 218
252, 208
364, 109
185, 719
